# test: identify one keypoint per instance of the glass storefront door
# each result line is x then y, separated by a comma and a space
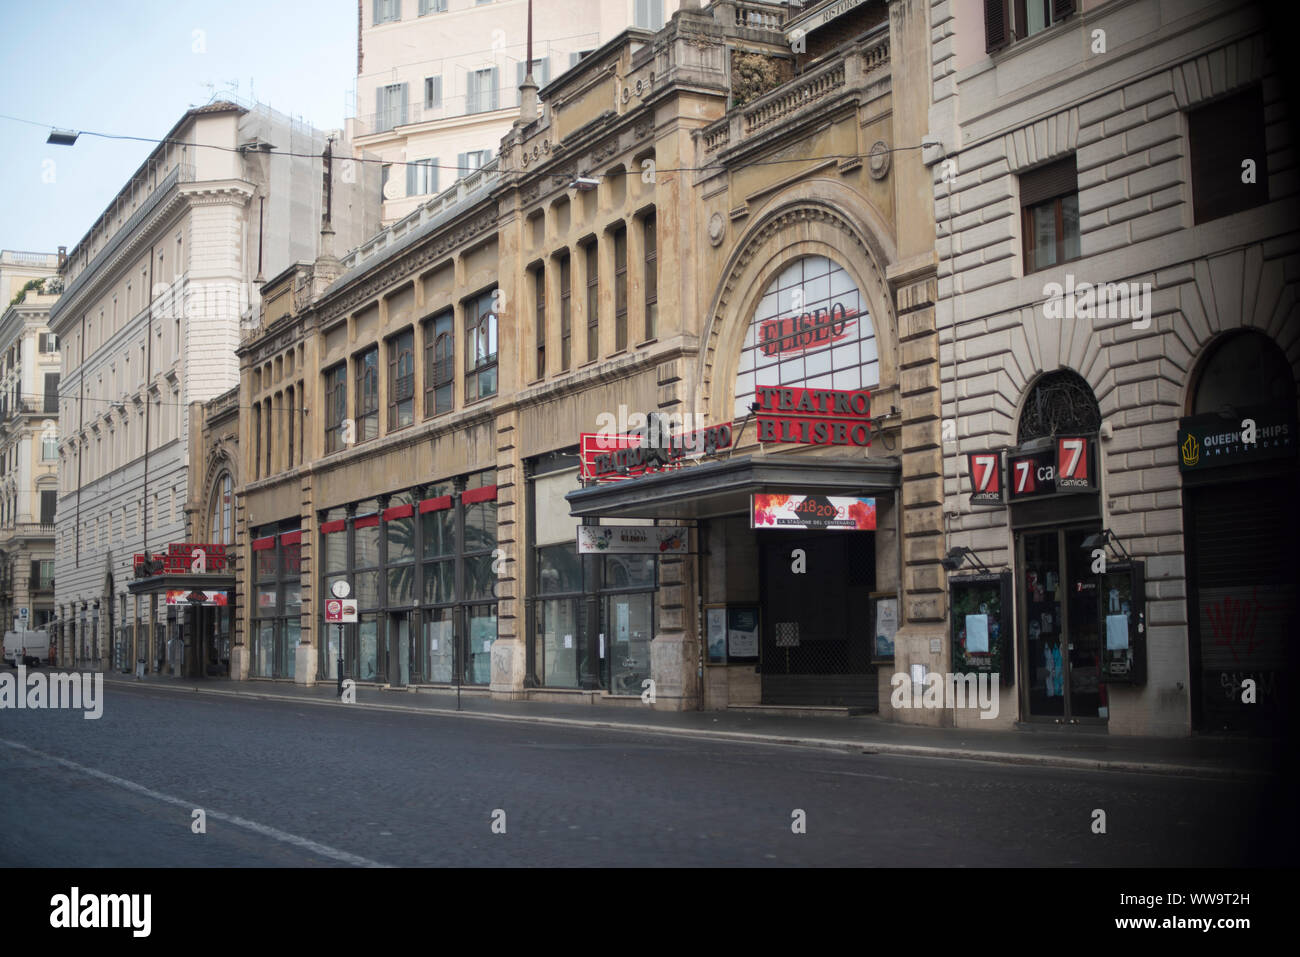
629, 620
264, 657
437, 651
557, 642
399, 648
368, 641
1062, 635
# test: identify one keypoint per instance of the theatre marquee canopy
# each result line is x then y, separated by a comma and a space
724, 487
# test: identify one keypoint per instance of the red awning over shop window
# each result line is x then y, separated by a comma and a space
291, 538
487, 493
435, 504
366, 521
398, 511
336, 526
262, 544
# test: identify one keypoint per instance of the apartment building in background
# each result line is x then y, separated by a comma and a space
154, 296
438, 80
29, 437
1116, 200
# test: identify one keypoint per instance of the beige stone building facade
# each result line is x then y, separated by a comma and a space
1115, 196
29, 437
701, 223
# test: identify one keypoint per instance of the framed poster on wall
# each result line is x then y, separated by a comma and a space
982, 624
884, 618
715, 630
742, 632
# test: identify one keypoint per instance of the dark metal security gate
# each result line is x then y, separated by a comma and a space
1243, 613
816, 634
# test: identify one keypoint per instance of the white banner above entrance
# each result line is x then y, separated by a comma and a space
632, 540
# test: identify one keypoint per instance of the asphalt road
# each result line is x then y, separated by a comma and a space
284, 784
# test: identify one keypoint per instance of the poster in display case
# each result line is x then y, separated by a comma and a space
1122, 594
716, 632
983, 630
884, 618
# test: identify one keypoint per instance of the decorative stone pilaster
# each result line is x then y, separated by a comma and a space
305, 656
920, 639
509, 663
675, 651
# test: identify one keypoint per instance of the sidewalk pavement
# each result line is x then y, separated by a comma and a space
1198, 755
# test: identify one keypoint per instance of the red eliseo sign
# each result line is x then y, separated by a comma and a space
790, 414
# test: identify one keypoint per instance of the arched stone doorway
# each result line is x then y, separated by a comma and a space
1060, 641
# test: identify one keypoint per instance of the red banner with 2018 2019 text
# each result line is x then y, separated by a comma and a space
777, 511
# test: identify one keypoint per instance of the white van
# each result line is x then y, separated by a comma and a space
27, 647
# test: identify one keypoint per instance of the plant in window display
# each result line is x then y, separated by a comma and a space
401, 540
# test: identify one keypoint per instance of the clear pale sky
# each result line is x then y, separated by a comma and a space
134, 67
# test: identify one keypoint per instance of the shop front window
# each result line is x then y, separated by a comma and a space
558, 642
277, 563
421, 569
368, 661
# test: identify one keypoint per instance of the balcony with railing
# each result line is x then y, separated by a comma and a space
840, 76
440, 208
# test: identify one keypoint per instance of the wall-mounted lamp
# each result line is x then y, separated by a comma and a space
584, 183
956, 556
1101, 540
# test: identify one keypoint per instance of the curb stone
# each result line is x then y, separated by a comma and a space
748, 737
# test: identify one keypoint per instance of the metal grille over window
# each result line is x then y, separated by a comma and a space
1060, 403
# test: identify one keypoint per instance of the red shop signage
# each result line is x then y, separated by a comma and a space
985, 478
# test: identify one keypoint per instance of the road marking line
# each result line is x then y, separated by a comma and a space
274, 833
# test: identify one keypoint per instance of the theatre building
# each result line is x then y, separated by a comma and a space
1118, 261
647, 409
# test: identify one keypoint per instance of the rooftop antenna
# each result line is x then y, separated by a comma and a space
528, 89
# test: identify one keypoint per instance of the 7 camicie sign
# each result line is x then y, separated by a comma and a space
986, 477
1068, 466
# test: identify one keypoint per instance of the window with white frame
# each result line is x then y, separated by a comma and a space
467, 163
481, 93
390, 106
422, 177
649, 14
387, 11
433, 92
